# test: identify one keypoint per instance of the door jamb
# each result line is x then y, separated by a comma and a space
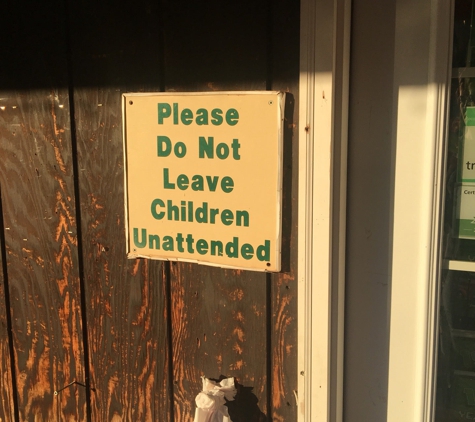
323, 128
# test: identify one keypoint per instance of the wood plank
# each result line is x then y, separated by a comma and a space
41, 245
7, 409
127, 325
114, 49
39, 212
215, 45
219, 317
285, 75
219, 329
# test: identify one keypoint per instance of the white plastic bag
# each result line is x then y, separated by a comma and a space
210, 403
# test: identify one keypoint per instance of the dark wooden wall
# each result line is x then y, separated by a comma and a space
133, 336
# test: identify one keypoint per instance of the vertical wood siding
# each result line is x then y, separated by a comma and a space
39, 214
115, 50
220, 317
138, 334
284, 70
6, 382
41, 253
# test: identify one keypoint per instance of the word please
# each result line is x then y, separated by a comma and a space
200, 117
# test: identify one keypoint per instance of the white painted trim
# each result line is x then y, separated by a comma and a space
325, 29
468, 266
421, 79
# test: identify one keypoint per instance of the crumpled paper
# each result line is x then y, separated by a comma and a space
210, 403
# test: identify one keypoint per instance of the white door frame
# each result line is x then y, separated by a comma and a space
421, 74
323, 108
422, 71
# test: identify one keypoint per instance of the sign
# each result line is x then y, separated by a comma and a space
467, 163
204, 177
465, 200
466, 211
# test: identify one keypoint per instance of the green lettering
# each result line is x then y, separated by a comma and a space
168, 243
213, 212
164, 111
164, 146
183, 210
198, 183
232, 117
240, 216
216, 246
179, 242
232, 248
206, 147
180, 149
166, 183
201, 213
153, 238
247, 251
190, 211
263, 251
227, 184
189, 243
235, 146
217, 117
227, 217
202, 246
143, 242
201, 116
212, 182
172, 211
182, 182
157, 215
186, 116
175, 113
222, 151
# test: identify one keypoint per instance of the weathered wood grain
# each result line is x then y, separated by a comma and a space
39, 212
219, 328
41, 246
7, 409
125, 298
223, 322
285, 75
219, 317
115, 48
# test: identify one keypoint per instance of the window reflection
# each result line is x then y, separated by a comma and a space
455, 394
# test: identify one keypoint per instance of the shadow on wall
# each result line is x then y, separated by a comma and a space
244, 408
287, 182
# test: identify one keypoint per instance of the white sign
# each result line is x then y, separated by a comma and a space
204, 177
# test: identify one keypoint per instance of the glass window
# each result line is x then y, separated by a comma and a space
455, 394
